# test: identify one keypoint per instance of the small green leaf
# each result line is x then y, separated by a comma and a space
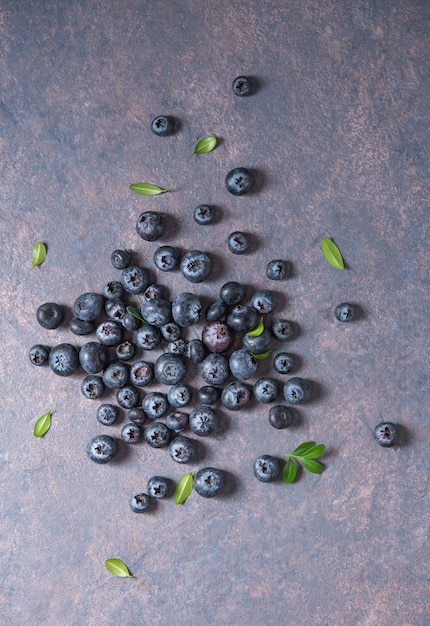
312, 466
315, 451
332, 253
257, 330
261, 355
42, 425
302, 448
146, 189
183, 488
118, 568
39, 254
204, 146
135, 313
290, 471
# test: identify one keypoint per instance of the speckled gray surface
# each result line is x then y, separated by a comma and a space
338, 133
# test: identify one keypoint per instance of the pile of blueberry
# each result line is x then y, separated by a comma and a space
132, 319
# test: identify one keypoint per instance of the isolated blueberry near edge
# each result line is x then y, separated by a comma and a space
386, 434
209, 482
102, 448
239, 181
64, 359
297, 390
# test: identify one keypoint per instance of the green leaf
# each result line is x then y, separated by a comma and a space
315, 451
42, 425
118, 568
183, 488
257, 330
290, 471
261, 355
135, 312
39, 254
332, 253
312, 466
146, 189
302, 448
204, 146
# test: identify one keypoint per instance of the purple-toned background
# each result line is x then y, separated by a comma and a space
338, 133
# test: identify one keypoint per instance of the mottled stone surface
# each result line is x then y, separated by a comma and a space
338, 134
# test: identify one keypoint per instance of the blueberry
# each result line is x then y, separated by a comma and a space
280, 416
217, 336
38, 354
204, 214
182, 449
232, 293
131, 433
155, 404
239, 181
116, 375
121, 259
153, 292
130, 322
170, 331
127, 397
113, 289
167, 258
115, 309
235, 396
141, 373
50, 315
186, 309
266, 468
179, 395
196, 351
177, 421
88, 306
386, 434
297, 390
263, 301
277, 269
136, 415
64, 359
125, 351
158, 486
170, 369
242, 86
238, 242
93, 357
140, 502
157, 435
203, 421
107, 414
283, 362
266, 390
102, 448
163, 125
196, 266
344, 312
109, 333
134, 279
179, 346
217, 311
208, 394
242, 318
92, 387
209, 482
283, 330
150, 226
147, 337
214, 369
156, 312
242, 364
259, 344
81, 327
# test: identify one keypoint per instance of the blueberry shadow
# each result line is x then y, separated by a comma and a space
260, 181
317, 391
218, 267
173, 226
123, 454
405, 436
231, 484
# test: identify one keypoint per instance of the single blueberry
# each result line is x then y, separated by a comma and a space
92, 387
115, 309
235, 396
238, 242
130, 322
297, 390
107, 414
266, 468
386, 434
136, 415
116, 375
157, 435
121, 259
232, 293
158, 486
242, 364
242, 318
283, 330
50, 315
196, 266
141, 373
242, 86
157, 312
93, 357
170, 369
258, 344
263, 301
88, 306
64, 359
217, 311
277, 269
204, 214
147, 337
179, 395
209, 482
167, 258
266, 390
155, 404
163, 125
186, 309
170, 331
127, 397
134, 279
150, 226
203, 421
208, 394
125, 351
182, 449
217, 336
280, 416
344, 312
196, 351
179, 346
283, 362
38, 354
177, 421
109, 333
102, 448
214, 369
113, 289
81, 327
131, 433
239, 181
140, 502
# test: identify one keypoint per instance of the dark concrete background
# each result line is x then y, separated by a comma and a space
338, 132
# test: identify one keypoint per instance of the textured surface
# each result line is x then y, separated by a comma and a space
338, 133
